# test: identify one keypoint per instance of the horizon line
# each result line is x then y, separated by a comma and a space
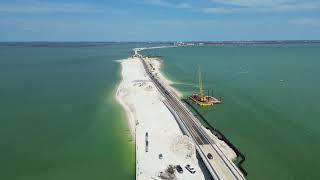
162, 41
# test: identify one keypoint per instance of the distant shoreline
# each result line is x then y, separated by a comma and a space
165, 43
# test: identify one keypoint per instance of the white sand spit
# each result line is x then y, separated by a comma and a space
153, 122
158, 137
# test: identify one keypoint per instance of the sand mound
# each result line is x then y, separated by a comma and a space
148, 88
182, 145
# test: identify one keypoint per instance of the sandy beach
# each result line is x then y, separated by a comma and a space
158, 137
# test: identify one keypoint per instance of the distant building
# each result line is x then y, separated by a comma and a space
183, 44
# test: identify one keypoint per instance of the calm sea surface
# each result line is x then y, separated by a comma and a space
58, 116
270, 107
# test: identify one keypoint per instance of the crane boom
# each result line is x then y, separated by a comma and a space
200, 98
201, 89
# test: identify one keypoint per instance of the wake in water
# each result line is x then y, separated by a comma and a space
186, 84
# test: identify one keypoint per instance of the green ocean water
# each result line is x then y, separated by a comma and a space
58, 116
270, 109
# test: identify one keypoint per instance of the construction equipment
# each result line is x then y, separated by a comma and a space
201, 99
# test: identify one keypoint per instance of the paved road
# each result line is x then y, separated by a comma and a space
220, 167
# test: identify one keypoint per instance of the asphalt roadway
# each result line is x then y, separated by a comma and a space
220, 167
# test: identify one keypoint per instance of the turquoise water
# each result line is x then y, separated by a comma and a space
270, 107
58, 115
59, 118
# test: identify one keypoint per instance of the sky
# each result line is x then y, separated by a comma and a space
159, 20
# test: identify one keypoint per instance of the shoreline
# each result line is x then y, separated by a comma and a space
223, 145
151, 121
156, 62
129, 114
154, 127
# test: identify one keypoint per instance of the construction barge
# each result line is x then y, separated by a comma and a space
206, 101
201, 99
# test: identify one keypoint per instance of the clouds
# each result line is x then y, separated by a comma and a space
238, 6
159, 19
167, 3
35, 6
220, 10
298, 6
200, 6
314, 22
264, 6
250, 3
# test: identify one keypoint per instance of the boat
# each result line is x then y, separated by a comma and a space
201, 99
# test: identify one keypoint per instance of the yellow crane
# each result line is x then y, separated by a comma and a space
201, 99
201, 88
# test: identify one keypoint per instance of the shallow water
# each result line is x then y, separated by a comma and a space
270, 99
58, 115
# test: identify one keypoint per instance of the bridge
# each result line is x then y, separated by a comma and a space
219, 166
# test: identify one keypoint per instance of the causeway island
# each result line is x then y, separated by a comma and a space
170, 142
